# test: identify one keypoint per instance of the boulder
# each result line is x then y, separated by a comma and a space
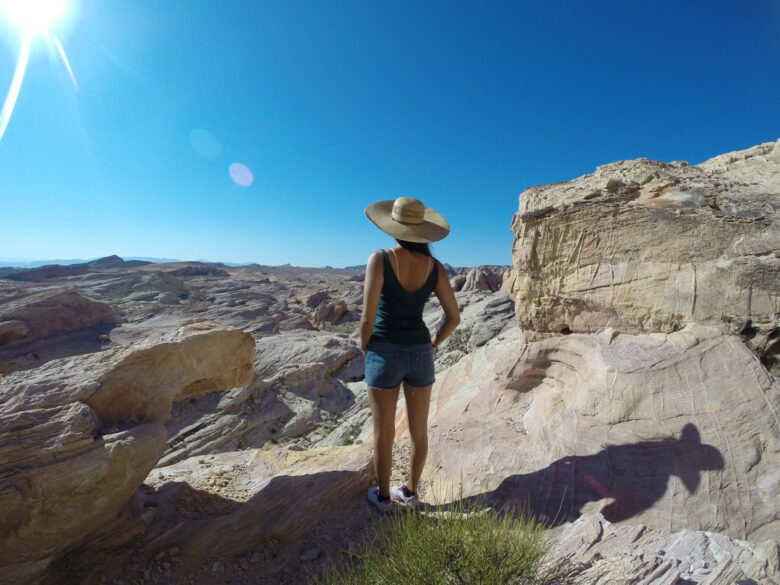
316, 298
483, 278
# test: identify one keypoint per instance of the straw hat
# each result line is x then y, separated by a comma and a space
408, 219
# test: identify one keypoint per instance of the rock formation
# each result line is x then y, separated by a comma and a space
299, 384
488, 278
646, 246
672, 431
49, 313
80, 434
593, 550
49, 324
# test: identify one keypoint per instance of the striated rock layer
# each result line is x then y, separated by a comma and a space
644, 246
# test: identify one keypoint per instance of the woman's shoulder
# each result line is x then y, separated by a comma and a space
376, 259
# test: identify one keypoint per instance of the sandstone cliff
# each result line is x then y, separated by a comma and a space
646, 246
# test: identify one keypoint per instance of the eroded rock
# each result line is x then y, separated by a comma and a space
44, 314
79, 435
646, 246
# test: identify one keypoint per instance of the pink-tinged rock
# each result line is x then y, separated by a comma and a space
671, 431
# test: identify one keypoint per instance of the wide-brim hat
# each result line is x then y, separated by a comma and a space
407, 218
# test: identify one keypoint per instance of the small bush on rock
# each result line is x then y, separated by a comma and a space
452, 546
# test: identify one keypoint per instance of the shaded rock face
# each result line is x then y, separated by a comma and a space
669, 430
645, 246
79, 435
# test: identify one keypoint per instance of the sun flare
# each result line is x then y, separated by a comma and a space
33, 18
33, 15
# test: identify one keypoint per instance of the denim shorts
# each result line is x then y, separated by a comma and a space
389, 364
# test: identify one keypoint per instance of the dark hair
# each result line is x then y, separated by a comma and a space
418, 247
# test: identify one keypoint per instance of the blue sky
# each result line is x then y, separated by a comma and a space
334, 105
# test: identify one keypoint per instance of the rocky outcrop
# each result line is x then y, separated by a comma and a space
39, 326
299, 385
146, 285
79, 435
645, 246
673, 431
488, 278
593, 550
198, 269
49, 313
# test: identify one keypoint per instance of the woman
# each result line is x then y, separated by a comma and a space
394, 339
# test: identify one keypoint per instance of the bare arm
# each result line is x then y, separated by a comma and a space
372, 289
451, 311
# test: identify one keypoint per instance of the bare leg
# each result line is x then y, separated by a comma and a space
418, 400
383, 404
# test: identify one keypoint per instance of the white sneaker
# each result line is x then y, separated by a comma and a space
385, 506
397, 494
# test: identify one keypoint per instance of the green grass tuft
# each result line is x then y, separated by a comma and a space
463, 545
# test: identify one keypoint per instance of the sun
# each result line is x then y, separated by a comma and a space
32, 16
33, 19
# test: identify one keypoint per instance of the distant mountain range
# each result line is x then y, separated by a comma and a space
7, 262
22, 263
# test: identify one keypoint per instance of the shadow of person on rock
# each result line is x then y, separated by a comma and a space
633, 476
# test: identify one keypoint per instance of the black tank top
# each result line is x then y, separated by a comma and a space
399, 315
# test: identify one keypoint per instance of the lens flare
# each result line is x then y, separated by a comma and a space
241, 174
16, 84
65, 60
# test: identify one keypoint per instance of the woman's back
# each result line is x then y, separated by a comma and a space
410, 269
399, 316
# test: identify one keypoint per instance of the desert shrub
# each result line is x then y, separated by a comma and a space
453, 547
